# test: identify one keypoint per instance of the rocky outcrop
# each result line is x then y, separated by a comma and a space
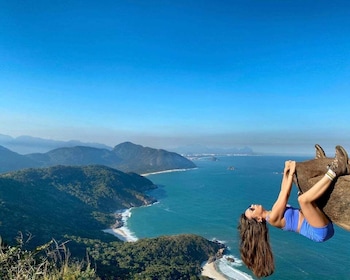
220, 252
336, 201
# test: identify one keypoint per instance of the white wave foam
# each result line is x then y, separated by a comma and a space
230, 269
123, 233
214, 239
149, 205
168, 171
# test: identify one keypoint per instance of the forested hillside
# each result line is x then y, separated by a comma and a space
74, 204
65, 200
166, 257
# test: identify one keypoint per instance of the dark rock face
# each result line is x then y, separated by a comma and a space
336, 201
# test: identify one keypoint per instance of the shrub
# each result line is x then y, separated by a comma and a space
50, 261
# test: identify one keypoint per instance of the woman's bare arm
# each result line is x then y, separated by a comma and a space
276, 215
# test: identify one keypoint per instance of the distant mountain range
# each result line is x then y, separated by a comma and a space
28, 145
127, 157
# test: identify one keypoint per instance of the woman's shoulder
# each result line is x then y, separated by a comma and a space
276, 218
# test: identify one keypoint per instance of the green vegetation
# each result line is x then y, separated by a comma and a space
74, 204
64, 200
50, 261
142, 160
167, 257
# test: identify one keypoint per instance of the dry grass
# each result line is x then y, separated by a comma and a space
50, 261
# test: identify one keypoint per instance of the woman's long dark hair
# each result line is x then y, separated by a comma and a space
255, 247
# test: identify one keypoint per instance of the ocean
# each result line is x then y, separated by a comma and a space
208, 201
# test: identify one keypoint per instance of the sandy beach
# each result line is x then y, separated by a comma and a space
121, 233
167, 171
210, 271
120, 229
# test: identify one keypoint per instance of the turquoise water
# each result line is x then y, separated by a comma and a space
208, 201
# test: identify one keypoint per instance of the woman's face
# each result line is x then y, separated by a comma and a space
254, 211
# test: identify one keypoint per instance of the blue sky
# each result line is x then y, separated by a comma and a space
272, 75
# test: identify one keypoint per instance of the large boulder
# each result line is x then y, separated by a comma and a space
336, 201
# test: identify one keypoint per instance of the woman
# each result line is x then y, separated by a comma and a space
308, 221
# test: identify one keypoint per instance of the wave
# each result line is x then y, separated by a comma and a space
123, 233
229, 268
168, 171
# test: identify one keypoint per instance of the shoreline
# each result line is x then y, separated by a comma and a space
210, 270
168, 171
120, 229
120, 234
124, 234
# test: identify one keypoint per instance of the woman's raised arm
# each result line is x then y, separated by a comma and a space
276, 215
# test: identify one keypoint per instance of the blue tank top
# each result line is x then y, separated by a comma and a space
291, 217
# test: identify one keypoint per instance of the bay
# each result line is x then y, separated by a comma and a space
208, 201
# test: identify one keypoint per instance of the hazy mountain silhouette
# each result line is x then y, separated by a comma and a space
127, 157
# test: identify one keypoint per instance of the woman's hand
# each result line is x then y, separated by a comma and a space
292, 166
289, 167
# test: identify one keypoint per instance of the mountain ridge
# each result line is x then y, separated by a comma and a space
127, 157
26, 144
